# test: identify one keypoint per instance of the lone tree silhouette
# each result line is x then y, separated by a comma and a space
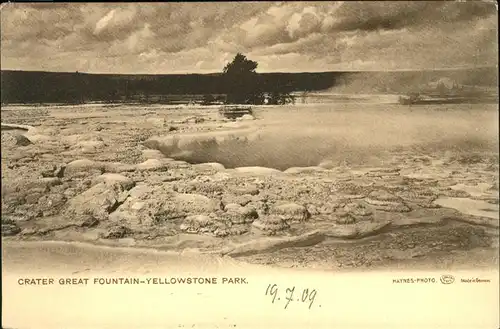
241, 65
242, 82
245, 86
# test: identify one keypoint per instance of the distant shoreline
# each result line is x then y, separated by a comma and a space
76, 87
479, 67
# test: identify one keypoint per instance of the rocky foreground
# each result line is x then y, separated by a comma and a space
109, 181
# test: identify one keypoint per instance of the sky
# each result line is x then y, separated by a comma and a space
187, 37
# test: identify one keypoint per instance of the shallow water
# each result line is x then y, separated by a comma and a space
356, 133
471, 207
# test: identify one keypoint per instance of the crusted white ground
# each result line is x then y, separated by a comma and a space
109, 175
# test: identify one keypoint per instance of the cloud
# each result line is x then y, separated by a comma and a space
301, 24
281, 36
379, 15
103, 22
21, 24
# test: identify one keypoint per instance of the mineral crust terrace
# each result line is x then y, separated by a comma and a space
65, 180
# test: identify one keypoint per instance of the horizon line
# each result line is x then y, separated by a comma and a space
268, 72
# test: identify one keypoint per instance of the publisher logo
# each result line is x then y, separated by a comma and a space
447, 279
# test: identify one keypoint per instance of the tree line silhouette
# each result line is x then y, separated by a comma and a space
238, 83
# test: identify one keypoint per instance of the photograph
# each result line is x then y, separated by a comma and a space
175, 139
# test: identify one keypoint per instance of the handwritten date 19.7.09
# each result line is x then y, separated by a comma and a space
291, 295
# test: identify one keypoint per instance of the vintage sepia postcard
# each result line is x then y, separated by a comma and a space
250, 165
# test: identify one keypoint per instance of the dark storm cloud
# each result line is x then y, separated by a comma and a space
372, 16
